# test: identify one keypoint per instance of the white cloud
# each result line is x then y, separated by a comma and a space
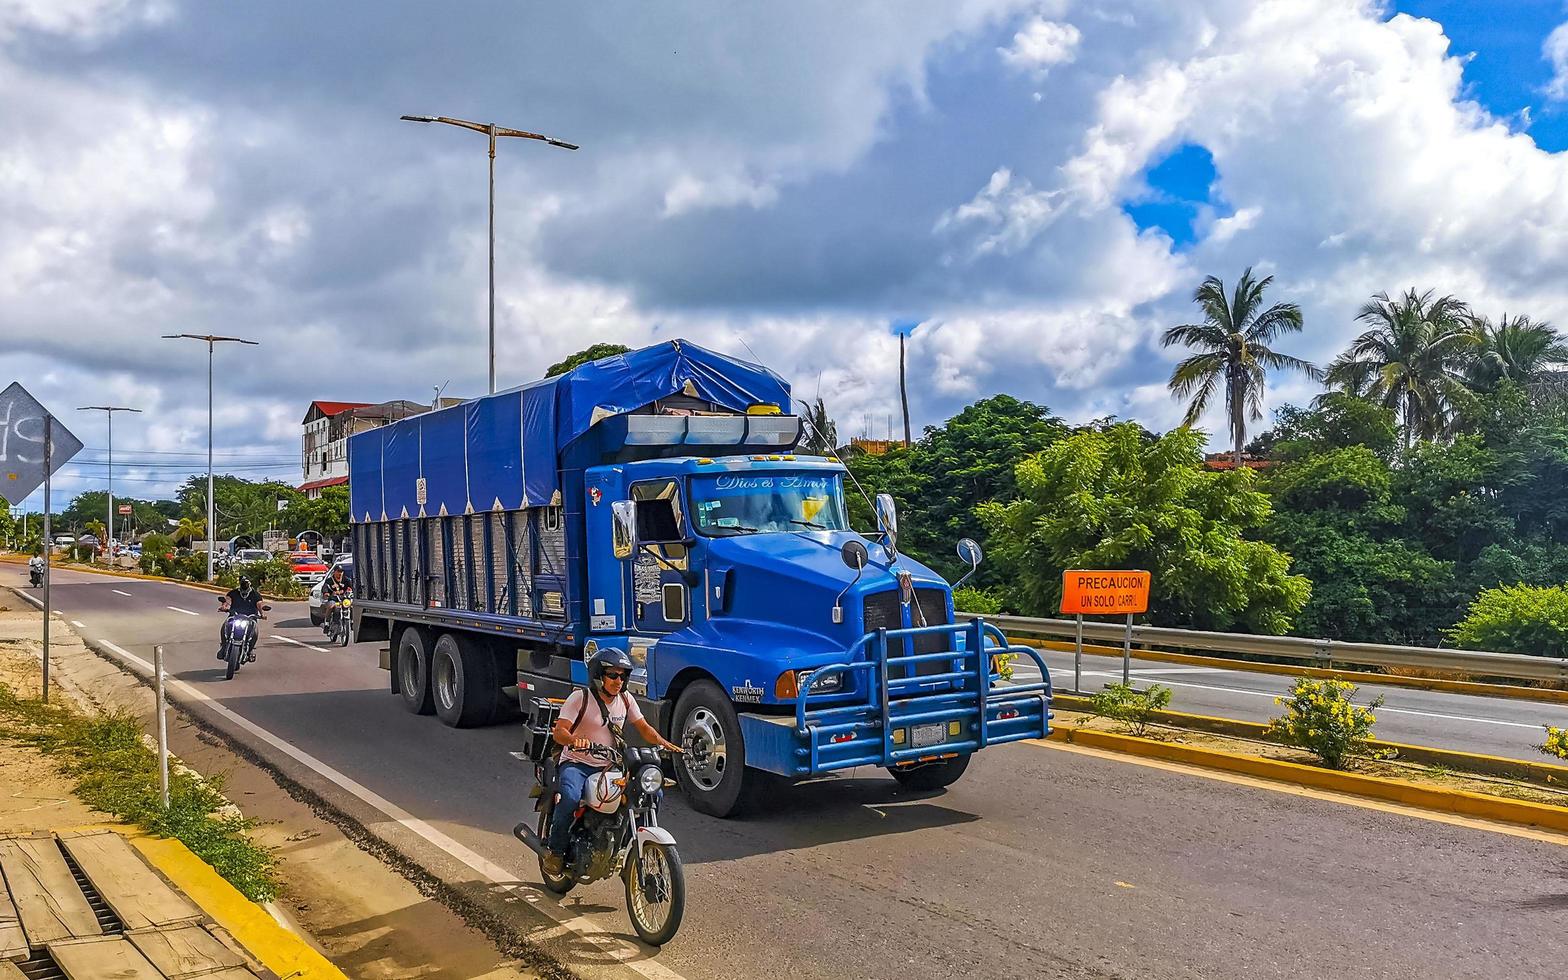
1042, 44
1555, 50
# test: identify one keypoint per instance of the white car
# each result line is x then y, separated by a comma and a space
317, 615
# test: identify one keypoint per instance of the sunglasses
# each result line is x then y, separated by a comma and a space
614, 675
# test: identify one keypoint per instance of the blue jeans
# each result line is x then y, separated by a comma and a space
570, 781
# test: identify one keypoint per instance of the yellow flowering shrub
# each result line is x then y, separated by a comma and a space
1556, 742
1321, 717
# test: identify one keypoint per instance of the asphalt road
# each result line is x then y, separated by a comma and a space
1043, 861
1467, 723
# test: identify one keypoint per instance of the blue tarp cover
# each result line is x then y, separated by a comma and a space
503, 450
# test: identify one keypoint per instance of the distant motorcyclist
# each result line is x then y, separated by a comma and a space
582, 726
241, 601
35, 568
334, 590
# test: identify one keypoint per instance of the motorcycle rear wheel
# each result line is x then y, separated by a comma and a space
559, 884
655, 917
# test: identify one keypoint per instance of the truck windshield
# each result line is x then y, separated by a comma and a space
728, 504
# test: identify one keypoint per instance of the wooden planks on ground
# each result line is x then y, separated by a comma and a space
98, 959
132, 889
184, 951
13, 942
10, 971
48, 902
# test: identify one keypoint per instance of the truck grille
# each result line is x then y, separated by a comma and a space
884, 611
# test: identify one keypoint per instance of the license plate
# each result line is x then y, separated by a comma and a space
925, 735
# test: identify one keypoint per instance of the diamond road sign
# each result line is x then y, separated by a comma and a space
22, 443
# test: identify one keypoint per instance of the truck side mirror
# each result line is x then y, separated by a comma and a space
855, 556
887, 523
969, 550
623, 513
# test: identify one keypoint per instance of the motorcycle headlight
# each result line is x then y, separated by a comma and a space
651, 779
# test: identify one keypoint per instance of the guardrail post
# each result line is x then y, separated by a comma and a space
1323, 656
163, 727
1078, 658
1127, 654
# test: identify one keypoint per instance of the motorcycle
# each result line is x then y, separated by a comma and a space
239, 641
35, 576
615, 831
338, 626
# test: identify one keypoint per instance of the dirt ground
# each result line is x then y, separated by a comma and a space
360, 913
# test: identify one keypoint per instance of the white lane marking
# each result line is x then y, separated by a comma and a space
118, 592
78, 624
623, 953
179, 610
299, 644
1271, 695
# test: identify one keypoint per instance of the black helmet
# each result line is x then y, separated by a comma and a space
607, 657
244, 583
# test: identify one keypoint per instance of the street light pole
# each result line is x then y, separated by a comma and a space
211, 340
492, 131
108, 411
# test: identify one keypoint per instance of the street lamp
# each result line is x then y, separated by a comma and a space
211, 340
108, 412
492, 130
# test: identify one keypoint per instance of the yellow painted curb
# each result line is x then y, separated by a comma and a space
1514, 691
278, 949
1543, 773
1393, 790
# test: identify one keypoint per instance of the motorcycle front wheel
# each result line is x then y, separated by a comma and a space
655, 893
231, 656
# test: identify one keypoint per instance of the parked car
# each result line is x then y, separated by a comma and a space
308, 569
249, 556
317, 615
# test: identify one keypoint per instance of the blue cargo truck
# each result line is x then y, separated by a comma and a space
653, 501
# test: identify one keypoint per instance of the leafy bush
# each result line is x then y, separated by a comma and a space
1517, 619
1132, 709
967, 599
1321, 718
1556, 742
154, 549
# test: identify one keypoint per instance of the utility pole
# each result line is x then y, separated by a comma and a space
492, 130
108, 411
212, 540
903, 389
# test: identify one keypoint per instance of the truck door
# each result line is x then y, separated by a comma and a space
657, 577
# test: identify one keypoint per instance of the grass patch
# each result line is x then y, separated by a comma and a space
117, 773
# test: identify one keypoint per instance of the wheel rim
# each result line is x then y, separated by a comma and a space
652, 911
706, 755
445, 682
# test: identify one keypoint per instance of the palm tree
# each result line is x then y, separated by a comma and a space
1530, 354
823, 436
1410, 360
189, 529
1232, 343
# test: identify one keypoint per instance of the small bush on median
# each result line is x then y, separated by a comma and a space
1556, 743
979, 602
1321, 718
117, 773
1133, 709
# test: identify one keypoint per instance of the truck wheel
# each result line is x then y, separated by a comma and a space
413, 671
932, 775
713, 768
463, 681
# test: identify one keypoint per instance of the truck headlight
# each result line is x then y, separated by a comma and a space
650, 779
789, 682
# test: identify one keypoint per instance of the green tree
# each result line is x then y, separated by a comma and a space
1411, 360
1517, 619
1233, 352
1108, 500
244, 507
327, 513
1336, 420
1532, 355
821, 431
190, 529
584, 356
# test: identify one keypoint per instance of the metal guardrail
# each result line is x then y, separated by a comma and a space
1316, 653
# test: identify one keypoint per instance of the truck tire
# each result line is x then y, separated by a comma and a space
712, 772
932, 775
413, 671
464, 682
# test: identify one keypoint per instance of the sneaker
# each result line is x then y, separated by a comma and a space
552, 863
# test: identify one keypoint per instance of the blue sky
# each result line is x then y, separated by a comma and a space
1038, 184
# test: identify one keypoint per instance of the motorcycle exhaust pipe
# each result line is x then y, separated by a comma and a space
526, 834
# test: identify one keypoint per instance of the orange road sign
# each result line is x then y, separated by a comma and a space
1106, 592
